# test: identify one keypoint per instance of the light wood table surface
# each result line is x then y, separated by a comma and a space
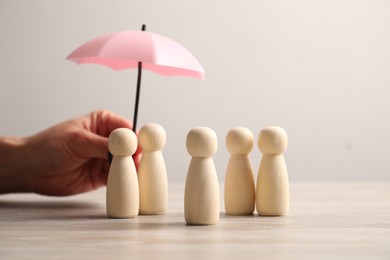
326, 221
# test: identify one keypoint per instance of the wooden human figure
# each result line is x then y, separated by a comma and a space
239, 180
152, 174
272, 191
201, 198
122, 198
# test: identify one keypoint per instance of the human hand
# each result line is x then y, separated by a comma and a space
71, 157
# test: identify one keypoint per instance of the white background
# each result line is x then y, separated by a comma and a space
320, 69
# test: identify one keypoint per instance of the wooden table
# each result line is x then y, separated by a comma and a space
326, 220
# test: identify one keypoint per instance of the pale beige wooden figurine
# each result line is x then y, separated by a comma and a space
201, 198
152, 174
239, 180
272, 191
122, 198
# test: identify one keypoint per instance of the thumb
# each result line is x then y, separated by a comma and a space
94, 146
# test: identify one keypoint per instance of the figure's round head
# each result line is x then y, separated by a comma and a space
239, 140
202, 142
152, 137
272, 140
122, 142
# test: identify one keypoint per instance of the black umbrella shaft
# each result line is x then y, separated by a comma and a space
138, 91
137, 96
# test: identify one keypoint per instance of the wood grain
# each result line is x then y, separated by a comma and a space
326, 220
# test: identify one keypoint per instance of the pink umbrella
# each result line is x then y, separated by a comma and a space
139, 49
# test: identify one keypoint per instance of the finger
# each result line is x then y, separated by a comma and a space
104, 173
106, 121
98, 172
137, 160
93, 146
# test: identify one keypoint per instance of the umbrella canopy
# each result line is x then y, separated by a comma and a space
139, 49
124, 50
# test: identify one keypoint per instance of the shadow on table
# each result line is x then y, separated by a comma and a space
49, 210
44, 205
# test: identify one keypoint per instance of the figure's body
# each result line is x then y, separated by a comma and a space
239, 180
201, 199
272, 194
122, 185
152, 174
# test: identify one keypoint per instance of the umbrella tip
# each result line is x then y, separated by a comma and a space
144, 27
